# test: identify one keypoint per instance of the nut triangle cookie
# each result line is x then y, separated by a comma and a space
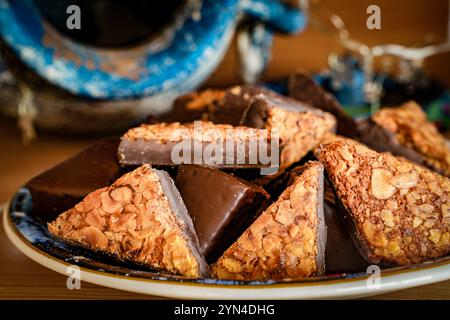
397, 211
139, 218
405, 131
300, 127
287, 241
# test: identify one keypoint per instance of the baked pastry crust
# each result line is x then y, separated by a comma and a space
287, 241
192, 106
398, 211
139, 218
155, 143
411, 128
299, 126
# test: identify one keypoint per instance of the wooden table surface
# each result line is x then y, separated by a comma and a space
21, 278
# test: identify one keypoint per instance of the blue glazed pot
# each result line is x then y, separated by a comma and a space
182, 57
178, 60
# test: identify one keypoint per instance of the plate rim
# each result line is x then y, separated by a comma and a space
326, 289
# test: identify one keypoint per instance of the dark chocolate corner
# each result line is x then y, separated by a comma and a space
301, 86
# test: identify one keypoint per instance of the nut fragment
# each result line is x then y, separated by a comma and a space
94, 237
405, 181
122, 194
94, 219
417, 222
108, 204
434, 187
294, 230
271, 243
297, 194
445, 209
283, 214
373, 235
261, 223
346, 154
435, 235
445, 238
90, 202
250, 242
123, 222
426, 208
388, 218
381, 186
429, 223
232, 265
393, 247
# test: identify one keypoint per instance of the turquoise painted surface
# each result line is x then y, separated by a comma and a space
191, 49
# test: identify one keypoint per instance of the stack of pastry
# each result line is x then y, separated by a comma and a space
343, 195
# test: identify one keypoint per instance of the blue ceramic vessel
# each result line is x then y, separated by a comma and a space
179, 59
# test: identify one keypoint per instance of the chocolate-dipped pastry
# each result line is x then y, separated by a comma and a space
396, 211
405, 131
221, 106
341, 254
382, 140
193, 106
61, 187
301, 86
235, 101
221, 206
299, 126
222, 146
287, 241
140, 218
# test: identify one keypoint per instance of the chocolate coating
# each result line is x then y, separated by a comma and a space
61, 187
139, 151
170, 144
303, 88
231, 108
226, 106
221, 206
192, 106
222, 106
341, 254
181, 213
256, 114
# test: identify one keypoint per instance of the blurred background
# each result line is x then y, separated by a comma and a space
407, 22
412, 23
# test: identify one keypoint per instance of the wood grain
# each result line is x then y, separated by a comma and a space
21, 278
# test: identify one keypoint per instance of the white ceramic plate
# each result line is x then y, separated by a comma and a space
32, 238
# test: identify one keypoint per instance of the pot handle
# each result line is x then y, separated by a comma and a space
276, 14
254, 44
254, 38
